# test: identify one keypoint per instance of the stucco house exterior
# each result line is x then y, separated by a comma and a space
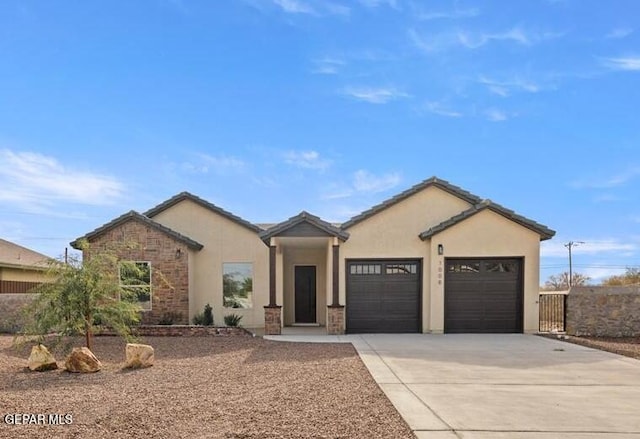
21, 269
434, 258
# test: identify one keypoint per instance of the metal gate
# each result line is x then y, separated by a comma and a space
553, 312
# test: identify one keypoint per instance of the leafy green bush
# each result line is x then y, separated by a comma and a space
208, 315
232, 320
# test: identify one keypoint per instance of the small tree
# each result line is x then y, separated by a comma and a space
630, 277
81, 293
560, 282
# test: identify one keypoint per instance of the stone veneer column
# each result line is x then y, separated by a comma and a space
335, 320
272, 320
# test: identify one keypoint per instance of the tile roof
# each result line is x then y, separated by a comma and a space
433, 181
544, 232
133, 215
14, 255
206, 204
300, 218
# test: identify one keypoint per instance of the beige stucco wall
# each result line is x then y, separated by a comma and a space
482, 235
394, 233
224, 241
304, 256
22, 274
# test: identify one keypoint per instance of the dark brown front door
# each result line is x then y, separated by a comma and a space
305, 293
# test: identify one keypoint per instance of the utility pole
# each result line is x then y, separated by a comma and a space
570, 245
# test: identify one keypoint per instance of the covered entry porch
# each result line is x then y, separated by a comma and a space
304, 255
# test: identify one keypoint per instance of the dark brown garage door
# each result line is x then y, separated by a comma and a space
383, 296
483, 295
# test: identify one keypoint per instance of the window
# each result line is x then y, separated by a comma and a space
237, 285
365, 269
135, 277
464, 267
411, 268
501, 267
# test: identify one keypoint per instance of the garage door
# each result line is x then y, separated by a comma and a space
383, 296
483, 295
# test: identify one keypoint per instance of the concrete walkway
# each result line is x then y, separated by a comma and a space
500, 386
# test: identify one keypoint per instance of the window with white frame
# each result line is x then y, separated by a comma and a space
135, 278
237, 285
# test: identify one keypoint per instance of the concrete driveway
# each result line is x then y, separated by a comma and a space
502, 386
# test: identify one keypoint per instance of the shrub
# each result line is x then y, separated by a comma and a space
169, 318
208, 315
198, 319
232, 320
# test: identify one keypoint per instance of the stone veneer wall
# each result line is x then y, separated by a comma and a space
604, 311
170, 271
335, 322
11, 306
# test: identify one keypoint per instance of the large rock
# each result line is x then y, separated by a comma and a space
41, 359
138, 356
82, 360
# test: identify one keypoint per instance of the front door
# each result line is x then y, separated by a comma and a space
305, 293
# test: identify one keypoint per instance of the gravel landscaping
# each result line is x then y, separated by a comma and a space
203, 387
627, 346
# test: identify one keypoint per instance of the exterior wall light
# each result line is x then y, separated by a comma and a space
178, 253
440, 249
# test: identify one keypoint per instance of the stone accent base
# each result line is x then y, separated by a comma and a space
335, 320
273, 320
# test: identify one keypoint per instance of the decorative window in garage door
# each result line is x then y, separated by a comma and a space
408, 268
463, 267
365, 269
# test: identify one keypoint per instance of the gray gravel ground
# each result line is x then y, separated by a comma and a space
627, 346
203, 387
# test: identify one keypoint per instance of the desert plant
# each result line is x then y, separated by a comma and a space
198, 319
208, 315
232, 320
169, 318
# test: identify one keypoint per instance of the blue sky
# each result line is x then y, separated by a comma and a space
268, 107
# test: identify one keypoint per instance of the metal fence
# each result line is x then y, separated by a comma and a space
553, 312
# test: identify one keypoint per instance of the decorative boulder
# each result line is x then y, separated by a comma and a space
82, 360
41, 359
138, 356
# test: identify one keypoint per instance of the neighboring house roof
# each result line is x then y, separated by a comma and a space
303, 217
135, 216
14, 255
433, 181
544, 232
207, 205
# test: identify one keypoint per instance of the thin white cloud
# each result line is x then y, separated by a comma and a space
474, 41
375, 95
328, 66
315, 7
306, 159
451, 15
557, 249
295, 7
441, 110
629, 63
364, 181
506, 88
376, 3
36, 181
616, 180
495, 115
597, 274
620, 32
220, 164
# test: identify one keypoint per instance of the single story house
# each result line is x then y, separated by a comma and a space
434, 258
21, 269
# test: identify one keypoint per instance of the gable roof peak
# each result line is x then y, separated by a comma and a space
184, 195
303, 216
133, 215
431, 181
